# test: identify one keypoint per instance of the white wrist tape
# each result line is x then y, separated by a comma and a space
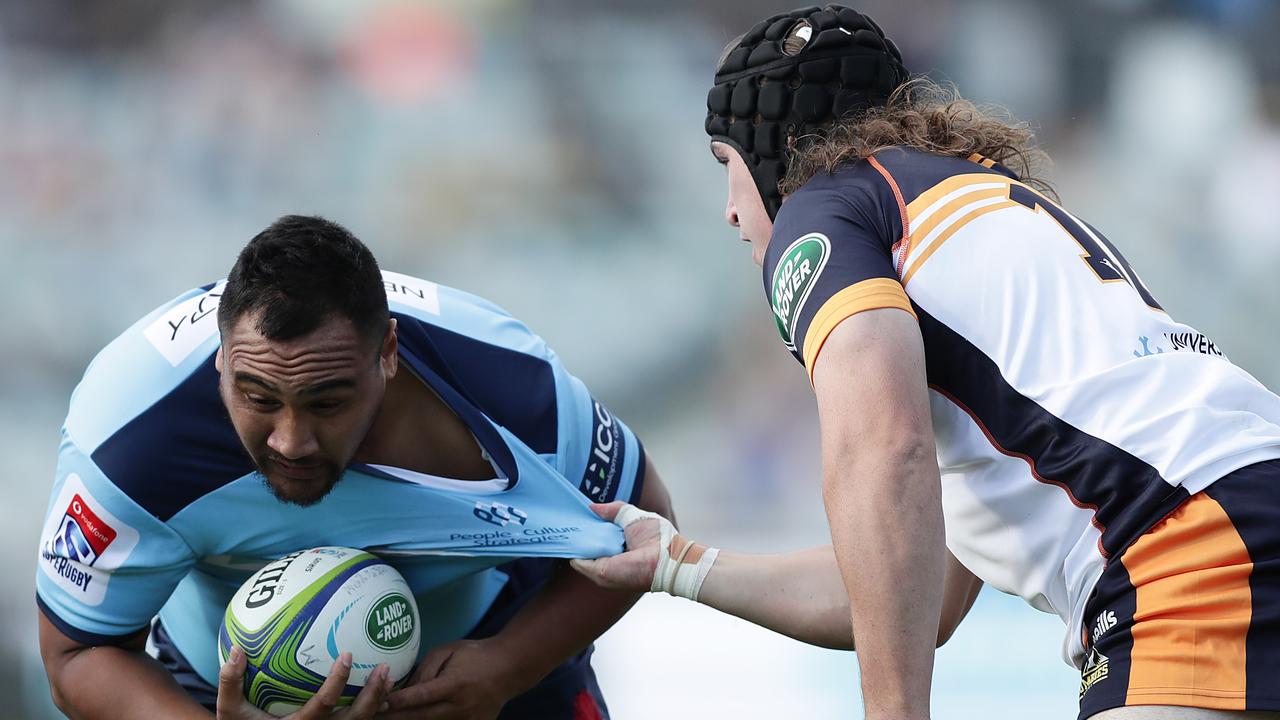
672, 575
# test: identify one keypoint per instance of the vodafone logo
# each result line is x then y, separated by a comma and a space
82, 543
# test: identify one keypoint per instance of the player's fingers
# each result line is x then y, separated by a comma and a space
371, 699
607, 511
407, 698
434, 662
424, 695
321, 704
231, 684
435, 711
591, 567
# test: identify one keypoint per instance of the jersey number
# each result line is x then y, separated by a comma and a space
1099, 254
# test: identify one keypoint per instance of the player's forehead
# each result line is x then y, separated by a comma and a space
334, 350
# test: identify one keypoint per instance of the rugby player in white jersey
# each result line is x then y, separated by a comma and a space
979, 354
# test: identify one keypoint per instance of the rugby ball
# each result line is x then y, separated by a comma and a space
295, 616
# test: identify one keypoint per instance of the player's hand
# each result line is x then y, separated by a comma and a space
632, 569
232, 704
463, 680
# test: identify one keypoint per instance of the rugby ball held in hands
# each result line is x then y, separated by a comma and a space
295, 616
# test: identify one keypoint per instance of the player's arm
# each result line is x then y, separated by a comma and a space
110, 681
883, 499
800, 594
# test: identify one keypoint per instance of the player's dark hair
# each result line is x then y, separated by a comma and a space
300, 272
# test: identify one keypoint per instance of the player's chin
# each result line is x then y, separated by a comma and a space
302, 492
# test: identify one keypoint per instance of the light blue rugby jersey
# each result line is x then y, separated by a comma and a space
156, 508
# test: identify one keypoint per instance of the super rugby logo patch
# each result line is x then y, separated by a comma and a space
793, 279
82, 543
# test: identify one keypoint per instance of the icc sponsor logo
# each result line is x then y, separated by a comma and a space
499, 514
82, 536
605, 460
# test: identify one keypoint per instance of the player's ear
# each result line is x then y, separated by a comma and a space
217, 360
388, 356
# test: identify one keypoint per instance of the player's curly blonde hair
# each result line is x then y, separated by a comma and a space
926, 116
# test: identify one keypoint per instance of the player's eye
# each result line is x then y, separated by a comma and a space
261, 402
324, 406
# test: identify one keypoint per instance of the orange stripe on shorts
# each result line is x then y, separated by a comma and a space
1191, 578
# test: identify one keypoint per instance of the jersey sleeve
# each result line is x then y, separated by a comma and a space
831, 257
598, 453
106, 566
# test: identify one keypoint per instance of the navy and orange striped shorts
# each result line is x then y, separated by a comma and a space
1189, 614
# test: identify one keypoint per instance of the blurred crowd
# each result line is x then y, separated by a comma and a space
550, 156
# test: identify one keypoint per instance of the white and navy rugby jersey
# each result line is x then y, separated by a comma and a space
156, 507
1070, 411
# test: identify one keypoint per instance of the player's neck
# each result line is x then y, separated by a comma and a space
416, 430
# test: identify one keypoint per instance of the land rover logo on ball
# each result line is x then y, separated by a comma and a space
390, 622
793, 279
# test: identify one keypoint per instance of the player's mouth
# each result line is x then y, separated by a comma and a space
298, 471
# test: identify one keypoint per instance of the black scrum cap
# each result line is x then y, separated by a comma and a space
792, 75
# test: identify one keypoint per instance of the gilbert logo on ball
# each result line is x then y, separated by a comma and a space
295, 616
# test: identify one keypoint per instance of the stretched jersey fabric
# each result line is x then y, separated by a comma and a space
156, 507
1070, 411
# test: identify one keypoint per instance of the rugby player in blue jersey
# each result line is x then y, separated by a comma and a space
981, 354
312, 399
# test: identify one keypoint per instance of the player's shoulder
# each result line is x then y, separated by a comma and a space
920, 179
482, 351
444, 312
156, 355
147, 409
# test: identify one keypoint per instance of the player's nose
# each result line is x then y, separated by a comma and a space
292, 438
730, 212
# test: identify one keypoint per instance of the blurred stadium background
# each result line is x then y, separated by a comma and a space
550, 156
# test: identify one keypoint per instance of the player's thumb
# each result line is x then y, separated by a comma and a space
231, 681
607, 511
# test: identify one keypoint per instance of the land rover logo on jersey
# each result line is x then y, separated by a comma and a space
390, 622
793, 279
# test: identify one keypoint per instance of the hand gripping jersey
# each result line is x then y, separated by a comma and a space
156, 508
1070, 412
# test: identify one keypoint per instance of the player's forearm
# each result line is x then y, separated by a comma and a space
566, 617
111, 683
886, 523
799, 594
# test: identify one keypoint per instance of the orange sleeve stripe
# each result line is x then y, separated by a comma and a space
1192, 611
968, 217
867, 295
950, 185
